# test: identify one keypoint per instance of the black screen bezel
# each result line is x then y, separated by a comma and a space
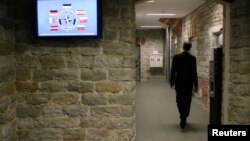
99, 24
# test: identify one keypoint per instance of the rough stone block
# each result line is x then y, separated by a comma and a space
108, 86
23, 135
3, 119
37, 99
45, 134
67, 74
86, 61
110, 35
26, 61
126, 35
244, 68
237, 42
128, 13
65, 99
75, 111
242, 115
23, 74
239, 79
9, 128
7, 74
11, 137
25, 112
6, 48
128, 87
73, 61
129, 62
111, 3
53, 86
120, 99
4, 104
118, 49
113, 12
81, 87
1, 91
25, 123
74, 134
124, 123
93, 75
24, 35
52, 62
6, 62
98, 135
108, 61
52, 111
57, 122
122, 74
94, 99
43, 75
90, 51
9, 89
127, 111
26, 87
93, 122
108, 111
125, 135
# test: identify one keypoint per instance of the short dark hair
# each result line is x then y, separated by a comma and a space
187, 46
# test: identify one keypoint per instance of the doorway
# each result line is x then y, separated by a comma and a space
138, 62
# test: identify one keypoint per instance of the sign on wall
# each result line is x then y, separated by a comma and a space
156, 61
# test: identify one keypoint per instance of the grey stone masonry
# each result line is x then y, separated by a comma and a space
239, 67
8, 121
75, 89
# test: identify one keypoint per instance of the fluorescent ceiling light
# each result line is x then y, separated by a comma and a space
151, 26
160, 14
150, 1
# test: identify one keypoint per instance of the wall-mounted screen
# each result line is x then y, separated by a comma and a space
68, 18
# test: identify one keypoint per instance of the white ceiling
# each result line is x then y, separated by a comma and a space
179, 7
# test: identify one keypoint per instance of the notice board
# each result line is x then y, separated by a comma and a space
156, 61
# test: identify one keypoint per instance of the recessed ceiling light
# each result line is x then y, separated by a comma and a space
144, 1
160, 14
150, 1
150, 26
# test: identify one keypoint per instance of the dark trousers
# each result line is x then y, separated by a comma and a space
183, 100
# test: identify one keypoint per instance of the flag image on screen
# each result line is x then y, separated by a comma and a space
83, 19
52, 20
54, 28
53, 13
67, 6
80, 27
80, 12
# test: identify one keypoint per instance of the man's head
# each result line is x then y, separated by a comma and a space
187, 46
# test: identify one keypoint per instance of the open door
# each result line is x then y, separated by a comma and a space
138, 62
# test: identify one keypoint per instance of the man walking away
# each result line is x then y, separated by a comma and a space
183, 79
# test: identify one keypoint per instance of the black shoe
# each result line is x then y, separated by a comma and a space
183, 123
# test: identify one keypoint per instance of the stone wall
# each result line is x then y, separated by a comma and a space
153, 42
77, 89
7, 73
239, 69
203, 22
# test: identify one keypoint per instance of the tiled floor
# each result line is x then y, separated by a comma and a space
157, 117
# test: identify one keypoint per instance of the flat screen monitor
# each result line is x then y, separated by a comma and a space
68, 18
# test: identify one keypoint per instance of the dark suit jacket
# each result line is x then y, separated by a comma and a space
184, 71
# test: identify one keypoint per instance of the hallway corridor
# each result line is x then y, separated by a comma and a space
157, 117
